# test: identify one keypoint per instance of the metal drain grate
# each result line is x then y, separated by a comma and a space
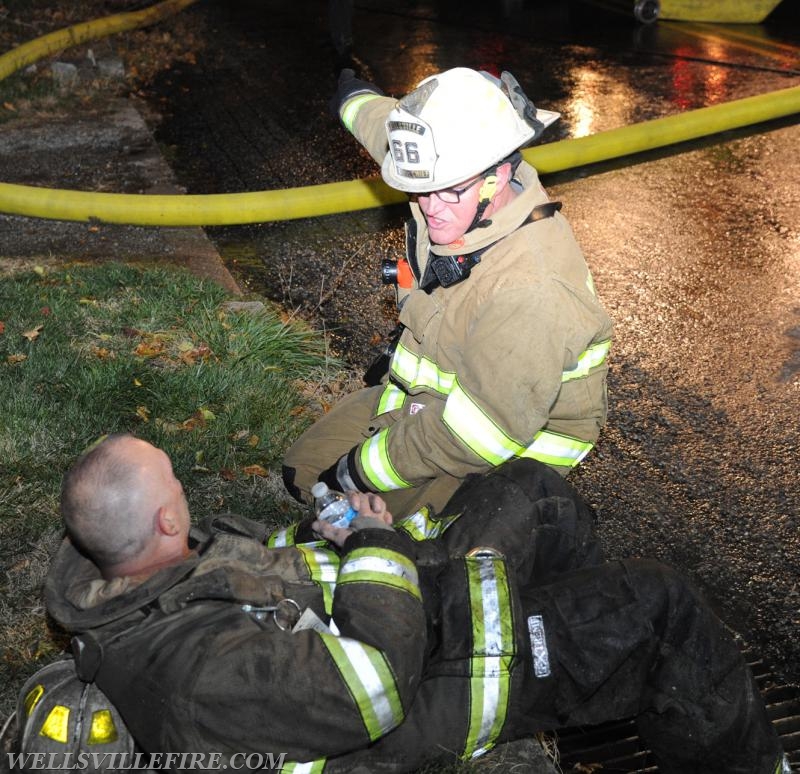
616, 747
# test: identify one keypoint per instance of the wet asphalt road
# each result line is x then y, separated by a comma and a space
695, 250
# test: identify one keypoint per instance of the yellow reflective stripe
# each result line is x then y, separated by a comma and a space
350, 109
377, 565
418, 371
468, 422
420, 526
557, 449
370, 681
391, 398
377, 466
591, 358
296, 767
323, 567
281, 538
493, 652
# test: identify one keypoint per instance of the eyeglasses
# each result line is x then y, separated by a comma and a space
446, 195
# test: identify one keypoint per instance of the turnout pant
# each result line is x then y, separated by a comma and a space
634, 639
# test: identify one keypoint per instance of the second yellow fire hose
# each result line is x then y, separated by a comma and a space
329, 198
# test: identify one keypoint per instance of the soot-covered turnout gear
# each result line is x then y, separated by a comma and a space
415, 652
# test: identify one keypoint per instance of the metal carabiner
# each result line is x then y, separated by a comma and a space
284, 618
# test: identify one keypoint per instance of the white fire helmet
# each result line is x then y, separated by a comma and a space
455, 125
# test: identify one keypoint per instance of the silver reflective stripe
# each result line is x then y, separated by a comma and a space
377, 466
323, 567
311, 767
282, 537
419, 371
420, 526
476, 429
370, 681
557, 449
391, 398
376, 565
589, 359
494, 648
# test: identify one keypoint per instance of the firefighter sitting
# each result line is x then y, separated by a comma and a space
375, 652
502, 343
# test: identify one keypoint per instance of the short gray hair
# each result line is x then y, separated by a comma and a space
100, 504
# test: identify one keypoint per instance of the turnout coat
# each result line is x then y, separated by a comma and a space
413, 652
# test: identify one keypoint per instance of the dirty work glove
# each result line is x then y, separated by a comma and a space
343, 476
350, 86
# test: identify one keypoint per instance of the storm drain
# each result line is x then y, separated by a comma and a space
616, 747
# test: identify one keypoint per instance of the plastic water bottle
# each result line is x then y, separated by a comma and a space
331, 506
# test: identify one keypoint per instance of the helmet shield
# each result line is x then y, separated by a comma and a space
454, 126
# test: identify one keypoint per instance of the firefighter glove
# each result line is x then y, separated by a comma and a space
350, 86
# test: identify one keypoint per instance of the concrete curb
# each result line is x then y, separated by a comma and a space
107, 149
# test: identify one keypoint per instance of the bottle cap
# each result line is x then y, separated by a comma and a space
320, 489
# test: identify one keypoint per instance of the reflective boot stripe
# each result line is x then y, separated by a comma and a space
350, 109
375, 565
370, 681
493, 652
323, 567
377, 466
281, 538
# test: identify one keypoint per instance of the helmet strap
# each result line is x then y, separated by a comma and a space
489, 186
485, 196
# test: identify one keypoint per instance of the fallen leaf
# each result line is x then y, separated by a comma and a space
93, 229
253, 441
240, 435
2, 327
255, 470
143, 413
39, 271
18, 358
207, 414
44, 311
137, 383
9, 106
33, 333
103, 354
149, 348
88, 301
227, 474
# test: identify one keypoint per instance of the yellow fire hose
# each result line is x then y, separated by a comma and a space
329, 198
37, 49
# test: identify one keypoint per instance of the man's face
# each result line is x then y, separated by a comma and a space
449, 220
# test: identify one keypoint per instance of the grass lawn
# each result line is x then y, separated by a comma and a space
86, 351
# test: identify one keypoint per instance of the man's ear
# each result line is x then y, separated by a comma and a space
166, 522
